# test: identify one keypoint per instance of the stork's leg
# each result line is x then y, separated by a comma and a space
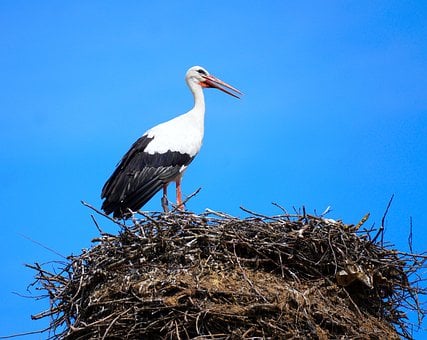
165, 198
179, 204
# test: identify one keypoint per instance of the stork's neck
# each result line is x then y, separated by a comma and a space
198, 111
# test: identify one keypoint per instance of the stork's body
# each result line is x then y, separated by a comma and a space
162, 154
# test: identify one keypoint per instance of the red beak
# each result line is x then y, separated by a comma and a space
211, 81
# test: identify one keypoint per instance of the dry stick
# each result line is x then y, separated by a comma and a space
102, 214
42, 245
285, 212
187, 199
381, 228
112, 322
362, 222
326, 211
148, 217
333, 253
219, 214
136, 224
96, 224
39, 269
264, 217
44, 314
421, 256
410, 235
177, 330
24, 334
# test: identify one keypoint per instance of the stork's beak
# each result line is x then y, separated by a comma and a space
211, 81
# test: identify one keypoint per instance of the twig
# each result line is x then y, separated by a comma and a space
264, 217
40, 331
148, 217
96, 224
219, 214
285, 212
361, 222
187, 199
112, 322
42, 245
410, 235
99, 212
382, 227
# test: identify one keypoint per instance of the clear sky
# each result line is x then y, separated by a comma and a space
334, 114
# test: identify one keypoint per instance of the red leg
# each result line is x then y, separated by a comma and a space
179, 194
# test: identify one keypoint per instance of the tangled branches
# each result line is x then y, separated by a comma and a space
214, 276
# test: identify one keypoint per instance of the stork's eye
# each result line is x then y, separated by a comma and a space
202, 72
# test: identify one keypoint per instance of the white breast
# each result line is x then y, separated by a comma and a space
183, 134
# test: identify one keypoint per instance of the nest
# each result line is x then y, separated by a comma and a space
214, 276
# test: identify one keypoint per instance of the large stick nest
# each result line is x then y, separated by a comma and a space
213, 276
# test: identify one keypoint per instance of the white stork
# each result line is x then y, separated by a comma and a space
162, 154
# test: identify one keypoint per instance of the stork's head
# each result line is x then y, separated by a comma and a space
199, 75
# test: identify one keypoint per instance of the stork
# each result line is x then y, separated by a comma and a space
162, 154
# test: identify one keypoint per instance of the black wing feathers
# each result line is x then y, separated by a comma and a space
139, 176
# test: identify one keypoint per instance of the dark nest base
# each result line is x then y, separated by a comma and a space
213, 276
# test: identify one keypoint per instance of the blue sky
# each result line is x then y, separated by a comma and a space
334, 114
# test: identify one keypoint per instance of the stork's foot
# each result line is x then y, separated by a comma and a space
165, 204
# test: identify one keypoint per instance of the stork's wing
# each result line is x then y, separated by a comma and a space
139, 176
